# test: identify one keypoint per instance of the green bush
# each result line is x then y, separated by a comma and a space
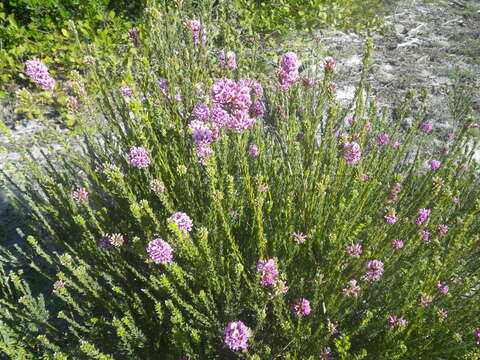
299, 203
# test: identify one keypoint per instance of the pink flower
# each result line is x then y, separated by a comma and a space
351, 152
228, 60
397, 244
434, 164
383, 139
201, 112
268, 272
374, 270
476, 335
427, 127
219, 116
253, 150
391, 217
352, 289
240, 121
182, 221
289, 73
125, 90
139, 157
329, 64
160, 251
116, 239
80, 195
395, 190
355, 249
442, 230
302, 307
258, 109
199, 32
425, 235
395, 321
38, 73
442, 288
236, 336
422, 216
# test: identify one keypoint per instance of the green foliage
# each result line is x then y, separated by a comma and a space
119, 304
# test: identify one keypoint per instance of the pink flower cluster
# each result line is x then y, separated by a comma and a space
442, 288
199, 32
182, 221
374, 271
228, 60
138, 157
80, 194
397, 244
442, 230
125, 90
268, 272
383, 139
302, 307
232, 108
396, 321
160, 251
288, 74
351, 152
395, 190
38, 72
427, 127
391, 217
352, 289
422, 216
434, 164
355, 249
476, 335
236, 336
253, 150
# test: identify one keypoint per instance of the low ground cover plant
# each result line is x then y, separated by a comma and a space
213, 206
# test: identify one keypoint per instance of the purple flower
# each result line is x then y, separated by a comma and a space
132, 35
219, 116
201, 112
228, 60
434, 164
125, 90
162, 84
395, 321
240, 121
442, 288
425, 235
236, 336
374, 270
258, 108
268, 272
302, 307
223, 91
289, 73
199, 32
355, 249
397, 244
351, 152
395, 144
329, 64
422, 216
383, 139
80, 195
442, 230
395, 190
352, 289
476, 335
253, 150
427, 127
104, 242
182, 221
138, 157
391, 217
38, 72
300, 237
160, 251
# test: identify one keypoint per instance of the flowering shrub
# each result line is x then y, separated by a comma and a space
204, 230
